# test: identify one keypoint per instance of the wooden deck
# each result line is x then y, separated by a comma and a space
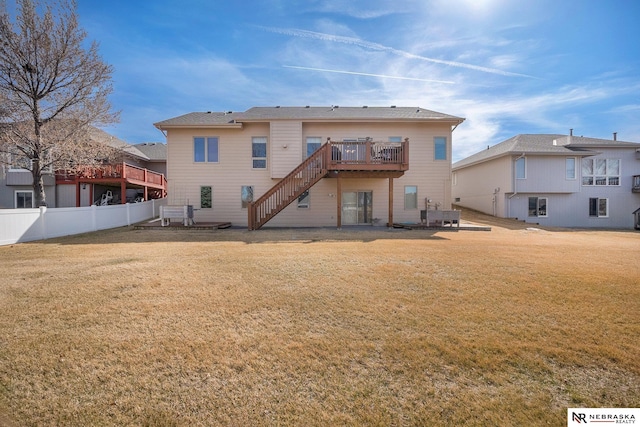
120, 175
156, 224
462, 227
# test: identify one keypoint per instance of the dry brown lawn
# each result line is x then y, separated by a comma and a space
319, 327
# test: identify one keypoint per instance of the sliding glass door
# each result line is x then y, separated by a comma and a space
357, 207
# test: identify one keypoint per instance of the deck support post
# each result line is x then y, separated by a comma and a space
390, 223
123, 192
77, 193
339, 201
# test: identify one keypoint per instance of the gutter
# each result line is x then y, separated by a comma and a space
515, 181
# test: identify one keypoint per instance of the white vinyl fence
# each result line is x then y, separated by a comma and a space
26, 225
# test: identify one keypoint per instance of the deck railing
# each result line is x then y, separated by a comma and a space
114, 171
369, 154
353, 156
303, 177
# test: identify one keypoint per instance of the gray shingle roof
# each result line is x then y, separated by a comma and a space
155, 151
336, 113
103, 137
542, 144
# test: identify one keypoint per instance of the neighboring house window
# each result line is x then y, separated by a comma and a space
598, 207
24, 199
19, 161
246, 195
259, 152
521, 168
206, 199
205, 149
600, 171
410, 197
303, 200
454, 178
538, 206
440, 148
313, 143
570, 168
395, 139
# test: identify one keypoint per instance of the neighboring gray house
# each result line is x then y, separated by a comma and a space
554, 180
157, 155
16, 189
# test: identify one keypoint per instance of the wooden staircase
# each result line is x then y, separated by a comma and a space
299, 180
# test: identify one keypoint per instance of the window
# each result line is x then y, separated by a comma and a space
521, 168
303, 200
19, 161
246, 195
538, 206
440, 147
24, 199
313, 143
598, 207
205, 149
259, 152
570, 168
395, 139
600, 172
206, 201
410, 197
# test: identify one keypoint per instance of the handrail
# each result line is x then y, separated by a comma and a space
278, 197
332, 156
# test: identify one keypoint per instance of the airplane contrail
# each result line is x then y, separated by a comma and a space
379, 47
368, 74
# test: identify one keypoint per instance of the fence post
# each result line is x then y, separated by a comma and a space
43, 225
128, 205
94, 220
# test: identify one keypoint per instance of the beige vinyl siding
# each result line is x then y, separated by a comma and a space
234, 169
285, 146
432, 178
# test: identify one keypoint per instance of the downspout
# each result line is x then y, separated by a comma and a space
515, 181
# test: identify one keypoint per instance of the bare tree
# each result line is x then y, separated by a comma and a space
53, 90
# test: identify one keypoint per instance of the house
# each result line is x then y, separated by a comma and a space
310, 166
135, 177
156, 153
553, 180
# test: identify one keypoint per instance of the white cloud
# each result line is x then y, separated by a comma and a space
382, 48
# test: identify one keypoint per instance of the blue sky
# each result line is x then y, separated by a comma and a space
507, 66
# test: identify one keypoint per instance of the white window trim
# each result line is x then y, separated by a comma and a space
606, 215
537, 215
15, 198
206, 149
446, 149
211, 187
575, 169
266, 151
405, 198
306, 144
253, 195
606, 176
524, 159
307, 205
